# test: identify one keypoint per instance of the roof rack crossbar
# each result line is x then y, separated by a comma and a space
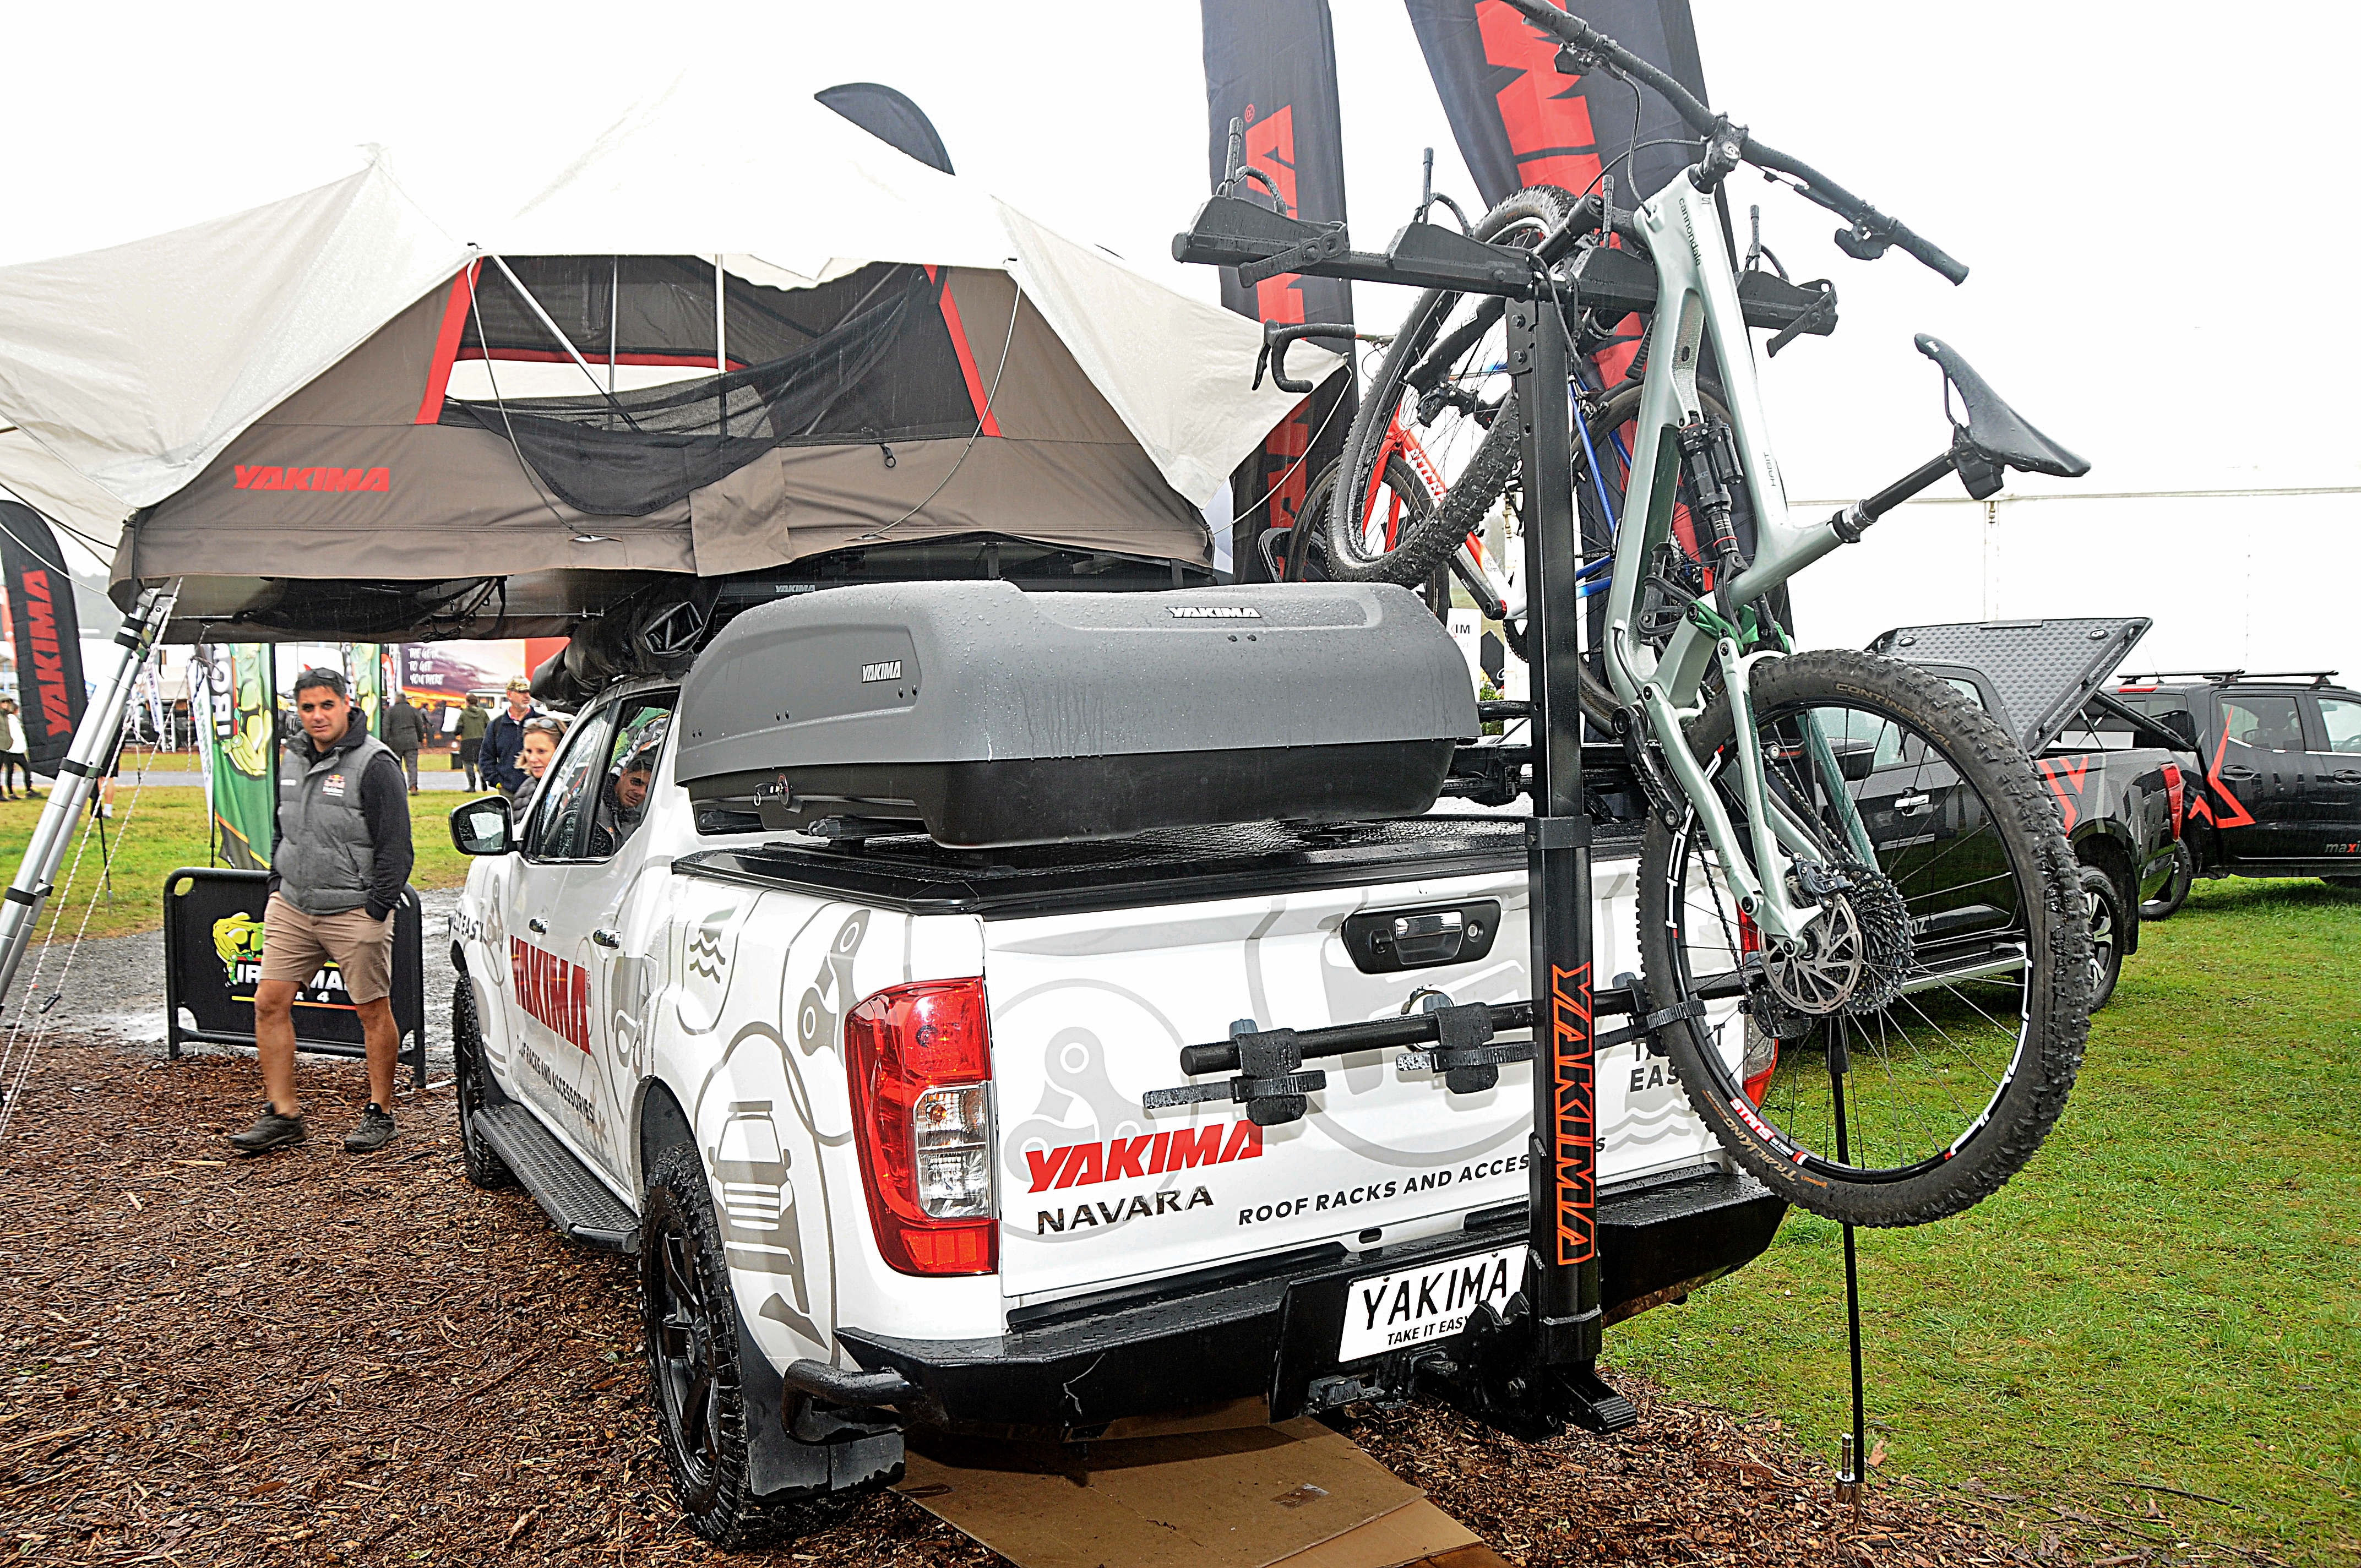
2224, 677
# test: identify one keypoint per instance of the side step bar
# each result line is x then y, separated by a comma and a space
577, 1202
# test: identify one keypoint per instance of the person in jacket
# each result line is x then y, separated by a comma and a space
473, 720
502, 763
13, 759
405, 731
343, 862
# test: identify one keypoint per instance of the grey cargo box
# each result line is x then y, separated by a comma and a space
996, 717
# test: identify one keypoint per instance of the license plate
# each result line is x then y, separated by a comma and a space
1419, 1306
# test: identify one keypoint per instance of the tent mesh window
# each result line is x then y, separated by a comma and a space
864, 358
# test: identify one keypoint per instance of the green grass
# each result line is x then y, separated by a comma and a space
165, 830
2170, 1294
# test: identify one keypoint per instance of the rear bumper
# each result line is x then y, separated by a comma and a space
1271, 1328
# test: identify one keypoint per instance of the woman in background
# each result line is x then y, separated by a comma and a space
542, 734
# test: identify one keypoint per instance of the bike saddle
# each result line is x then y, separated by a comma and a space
1994, 429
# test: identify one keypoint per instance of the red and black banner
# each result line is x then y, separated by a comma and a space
48, 638
1519, 123
1272, 63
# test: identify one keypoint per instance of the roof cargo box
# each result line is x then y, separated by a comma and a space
996, 717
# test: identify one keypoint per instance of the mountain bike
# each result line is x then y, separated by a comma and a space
1860, 925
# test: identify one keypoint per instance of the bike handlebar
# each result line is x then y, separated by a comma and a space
1871, 231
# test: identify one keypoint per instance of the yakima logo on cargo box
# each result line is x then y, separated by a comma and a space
888, 670
1151, 1153
1215, 612
328, 479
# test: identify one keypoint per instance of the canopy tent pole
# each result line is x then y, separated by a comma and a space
101, 721
558, 332
721, 321
614, 314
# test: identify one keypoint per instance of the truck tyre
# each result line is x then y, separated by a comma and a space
485, 1168
2175, 888
694, 1378
1909, 1140
2106, 904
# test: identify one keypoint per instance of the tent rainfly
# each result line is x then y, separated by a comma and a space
689, 355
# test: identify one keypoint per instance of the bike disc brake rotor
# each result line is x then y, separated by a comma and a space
1853, 959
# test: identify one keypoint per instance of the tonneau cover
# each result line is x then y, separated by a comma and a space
2043, 670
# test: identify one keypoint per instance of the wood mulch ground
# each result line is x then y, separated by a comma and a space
310, 1357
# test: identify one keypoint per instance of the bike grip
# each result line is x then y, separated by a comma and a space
1276, 335
1931, 254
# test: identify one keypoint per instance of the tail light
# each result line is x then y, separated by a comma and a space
921, 1060
2175, 791
1761, 1056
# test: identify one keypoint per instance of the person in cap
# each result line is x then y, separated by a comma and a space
501, 765
337, 878
623, 798
473, 720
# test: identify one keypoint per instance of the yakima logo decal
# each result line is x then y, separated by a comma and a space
329, 478
1215, 612
555, 992
889, 670
1151, 1153
49, 660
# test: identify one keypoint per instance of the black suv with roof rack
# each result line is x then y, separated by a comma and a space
2276, 789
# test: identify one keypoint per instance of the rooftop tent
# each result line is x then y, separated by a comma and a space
332, 417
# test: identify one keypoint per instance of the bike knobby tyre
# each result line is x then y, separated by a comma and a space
1420, 547
2031, 1020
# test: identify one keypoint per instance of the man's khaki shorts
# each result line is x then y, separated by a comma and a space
295, 946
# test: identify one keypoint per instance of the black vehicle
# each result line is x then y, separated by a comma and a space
2118, 778
2276, 788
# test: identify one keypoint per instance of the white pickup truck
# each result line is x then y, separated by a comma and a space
869, 1109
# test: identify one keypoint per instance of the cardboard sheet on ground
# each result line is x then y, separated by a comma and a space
1296, 1493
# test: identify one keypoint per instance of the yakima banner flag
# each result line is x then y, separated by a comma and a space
242, 730
1272, 64
1519, 123
49, 639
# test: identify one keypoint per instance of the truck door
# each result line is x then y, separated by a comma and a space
587, 923
2336, 777
549, 979
2262, 763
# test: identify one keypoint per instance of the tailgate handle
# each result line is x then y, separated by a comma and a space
1426, 936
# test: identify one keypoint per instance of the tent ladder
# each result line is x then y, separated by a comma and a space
101, 722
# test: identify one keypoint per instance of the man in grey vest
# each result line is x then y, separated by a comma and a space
337, 876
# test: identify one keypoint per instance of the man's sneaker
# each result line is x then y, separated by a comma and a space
375, 1131
270, 1131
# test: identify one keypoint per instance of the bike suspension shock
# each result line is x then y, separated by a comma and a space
1709, 458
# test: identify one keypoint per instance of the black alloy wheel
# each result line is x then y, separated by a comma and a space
2175, 893
690, 1319
2105, 901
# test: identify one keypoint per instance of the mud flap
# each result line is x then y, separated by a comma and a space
847, 1449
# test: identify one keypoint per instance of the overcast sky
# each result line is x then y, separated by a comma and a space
2141, 209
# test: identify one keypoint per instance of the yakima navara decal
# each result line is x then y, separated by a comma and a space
1215, 612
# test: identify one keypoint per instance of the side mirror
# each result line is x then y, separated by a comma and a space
482, 828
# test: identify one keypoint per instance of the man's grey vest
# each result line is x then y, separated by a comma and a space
325, 858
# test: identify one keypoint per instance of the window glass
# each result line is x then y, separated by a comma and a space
2343, 719
1850, 732
1965, 687
2264, 723
629, 775
560, 829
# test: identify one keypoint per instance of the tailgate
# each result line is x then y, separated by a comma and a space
1089, 1013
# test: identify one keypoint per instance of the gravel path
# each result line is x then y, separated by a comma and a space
113, 989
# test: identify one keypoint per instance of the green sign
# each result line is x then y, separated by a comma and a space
240, 680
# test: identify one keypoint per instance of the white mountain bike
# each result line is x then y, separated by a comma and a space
1858, 914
